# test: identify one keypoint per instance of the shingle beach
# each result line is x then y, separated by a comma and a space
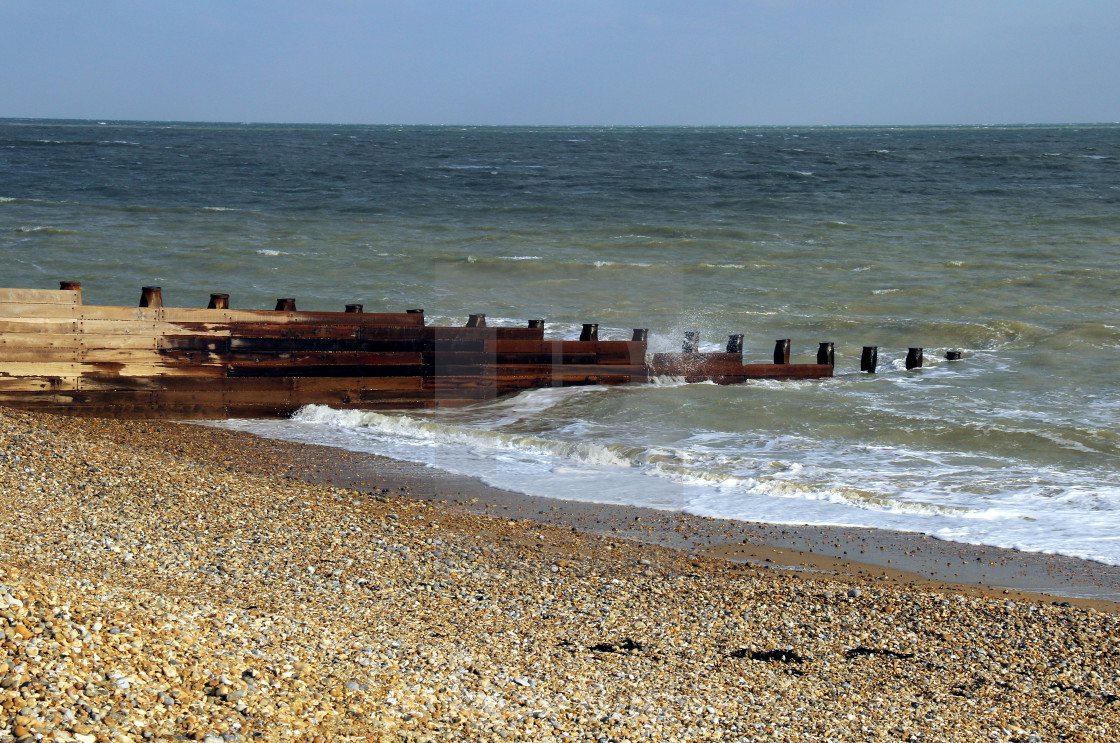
172, 582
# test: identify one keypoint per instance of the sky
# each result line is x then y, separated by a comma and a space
563, 62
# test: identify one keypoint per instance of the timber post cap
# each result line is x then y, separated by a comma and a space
286, 304
953, 355
590, 332
735, 343
355, 309
151, 296
781, 351
869, 360
691, 342
415, 312
641, 335
218, 302
536, 324
476, 321
826, 353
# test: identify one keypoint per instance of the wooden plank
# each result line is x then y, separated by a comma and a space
36, 384
39, 296
696, 364
788, 371
311, 385
24, 354
301, 345
122, 355
73, 340
121, 314
38, 326
341, 358
622, 352
323, 370
119, 327
24, 310
39, 341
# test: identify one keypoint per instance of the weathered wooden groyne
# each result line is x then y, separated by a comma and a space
151, 361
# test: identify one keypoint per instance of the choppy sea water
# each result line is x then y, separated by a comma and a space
1002, 242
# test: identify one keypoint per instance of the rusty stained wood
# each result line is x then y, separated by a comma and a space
56, 353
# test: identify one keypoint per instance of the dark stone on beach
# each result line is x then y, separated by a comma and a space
626, 645
862, 650
770, 656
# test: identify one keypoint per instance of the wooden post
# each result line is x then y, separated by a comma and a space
355, 309
914, 358
476, 321
781, 351
870, 359
953, 356
590, 332
826, 353
218, 302
151, 296
735, 343
72, 286
640, 335
691, 342
536, 323
286, 304
415, 312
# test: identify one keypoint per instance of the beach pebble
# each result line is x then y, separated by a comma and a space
262, 607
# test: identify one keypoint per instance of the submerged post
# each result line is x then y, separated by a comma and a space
476, 321
735, 343
691, 342
826, 353
536, 324
218, 302
355, 309
286, 304
781, 351
151, 296
590, 332
953, 356
914, 358
869, 360
640, 335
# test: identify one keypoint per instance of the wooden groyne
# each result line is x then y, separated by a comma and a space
151, 361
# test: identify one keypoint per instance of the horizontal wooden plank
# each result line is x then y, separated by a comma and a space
787, 371
40, 296
38, 326
342, 359
323, 370
36, 384
148, 329
73, 340
304, 345
23, 354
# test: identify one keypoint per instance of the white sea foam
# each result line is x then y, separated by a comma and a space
270, 252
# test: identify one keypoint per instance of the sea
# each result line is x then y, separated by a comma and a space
1000, 242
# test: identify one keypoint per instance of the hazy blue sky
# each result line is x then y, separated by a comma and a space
732, 62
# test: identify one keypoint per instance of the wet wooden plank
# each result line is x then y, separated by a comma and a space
788, 371
323, 370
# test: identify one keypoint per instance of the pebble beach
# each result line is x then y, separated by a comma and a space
169, 582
